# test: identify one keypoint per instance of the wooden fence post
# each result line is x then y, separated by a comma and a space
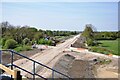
17, 75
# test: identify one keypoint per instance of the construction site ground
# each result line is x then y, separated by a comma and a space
74, 64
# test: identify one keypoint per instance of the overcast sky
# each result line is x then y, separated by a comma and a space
62, 15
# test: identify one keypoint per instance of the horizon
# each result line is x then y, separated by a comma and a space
16, 26
62, 15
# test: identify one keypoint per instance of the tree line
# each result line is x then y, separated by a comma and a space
92, 36
26, 35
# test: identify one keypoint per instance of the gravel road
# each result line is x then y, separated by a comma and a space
47, 57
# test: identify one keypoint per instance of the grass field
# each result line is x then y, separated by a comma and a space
107, 47
111, 45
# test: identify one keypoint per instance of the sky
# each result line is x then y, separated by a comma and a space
71, 16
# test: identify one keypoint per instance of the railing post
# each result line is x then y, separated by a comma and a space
0, 56
52, 75
11, 61
33, 70
12, 56
0, 61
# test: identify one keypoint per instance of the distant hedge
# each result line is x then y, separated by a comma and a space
106, 38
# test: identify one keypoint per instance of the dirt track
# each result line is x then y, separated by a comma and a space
47, 57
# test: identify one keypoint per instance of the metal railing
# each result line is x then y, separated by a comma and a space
34, 62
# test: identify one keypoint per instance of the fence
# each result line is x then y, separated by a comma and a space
33, 73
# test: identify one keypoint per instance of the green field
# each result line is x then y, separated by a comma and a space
110, 45
107, 47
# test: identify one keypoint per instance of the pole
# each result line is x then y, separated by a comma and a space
0, 61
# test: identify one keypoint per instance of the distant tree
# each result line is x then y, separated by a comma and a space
106, 35
90, 42
26, 41
5, 24
118, 34
2, 41
37, 36
21, 33
88, 34
32, 29
10, 44
49, 33
42, 41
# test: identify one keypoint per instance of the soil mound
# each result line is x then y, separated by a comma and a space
75, 68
